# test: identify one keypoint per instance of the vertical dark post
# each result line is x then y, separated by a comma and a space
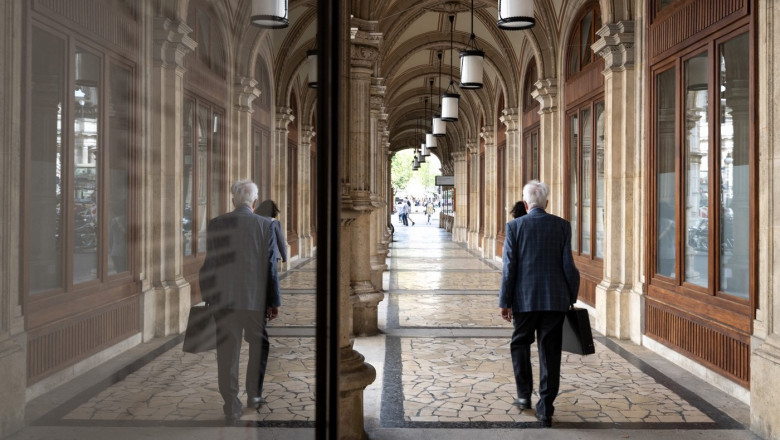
328, 218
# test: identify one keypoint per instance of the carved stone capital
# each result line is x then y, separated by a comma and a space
511, 119
547, 94
307, 132
472, 146
488, 134
171, 43
283, 117
616, 45
245, 92
459, 156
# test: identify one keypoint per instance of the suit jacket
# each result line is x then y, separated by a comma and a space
240, 270
539, 272
281, 242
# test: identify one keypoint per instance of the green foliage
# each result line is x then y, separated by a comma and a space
404, 179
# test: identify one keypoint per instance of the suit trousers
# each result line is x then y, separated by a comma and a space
231, 325
548, 327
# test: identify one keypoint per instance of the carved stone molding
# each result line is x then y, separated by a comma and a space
307, 132
283, 117
616, 45
488, 134
459, 156
547, 94
511, 119
245, 92
171, 43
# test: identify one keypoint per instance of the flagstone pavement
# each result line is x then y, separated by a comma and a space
443, 371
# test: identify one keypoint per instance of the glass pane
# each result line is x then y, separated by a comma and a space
600, 180
529, 163
204, 38
573, 176
666, 178
85, 169
587, 179
586, 39
46, 209
535, 155
217, 188
202, 163
697, 171
735, 167
119, 168
574, 58
187, 177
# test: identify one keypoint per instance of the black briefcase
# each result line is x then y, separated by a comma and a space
201, 333
577, 337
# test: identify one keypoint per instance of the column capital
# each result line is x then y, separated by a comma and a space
616, 46
307, 132
283, 117
511, 119
472, 146
488, 134
245, 91
171, 43
364, 50
546, 93
459, 156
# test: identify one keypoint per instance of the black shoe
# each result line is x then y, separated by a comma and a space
544, 422
522, 403
255, 402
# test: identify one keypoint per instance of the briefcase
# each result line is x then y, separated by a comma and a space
577, 337
201, 333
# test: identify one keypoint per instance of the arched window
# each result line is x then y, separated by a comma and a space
531, 77
261, 131
210, 51
582, 38
530, 154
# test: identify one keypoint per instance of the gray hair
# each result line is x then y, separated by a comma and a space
535, 194
244, 192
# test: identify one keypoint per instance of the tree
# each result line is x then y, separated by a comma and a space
401, 174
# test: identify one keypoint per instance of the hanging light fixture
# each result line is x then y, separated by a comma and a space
439, 127
449, 100
311, 58
272, 14
423, 146
471, 60
514, 15
430, 140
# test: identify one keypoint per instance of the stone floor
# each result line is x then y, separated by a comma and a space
443, 371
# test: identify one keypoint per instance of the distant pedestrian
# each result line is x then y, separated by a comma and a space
409, 211
429, 210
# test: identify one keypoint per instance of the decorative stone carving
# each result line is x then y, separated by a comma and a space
616, 45
172, 43
547, 94
245, 92
511, 119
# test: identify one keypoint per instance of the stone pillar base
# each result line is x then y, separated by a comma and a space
166, 308
354, 376
613, 307
764, 370
473, 240
13, 361
488, 247
377, 270
459, 234
364, 313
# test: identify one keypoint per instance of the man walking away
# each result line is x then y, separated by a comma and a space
539, 283
239, 279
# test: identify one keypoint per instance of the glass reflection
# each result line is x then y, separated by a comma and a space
187, 178
600, 188
119, 175
587, 179
697, 169
666, 177
573, 194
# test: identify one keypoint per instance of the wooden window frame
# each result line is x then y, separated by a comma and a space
575, 42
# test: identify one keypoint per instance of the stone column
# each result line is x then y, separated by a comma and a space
615, 296
239, 157
472, 146
765, 343
280, 166
13, 338
514, 147
459, 230
383, 217
551, 147
305, 245
364, 53
378, 127
491, 196
166, 298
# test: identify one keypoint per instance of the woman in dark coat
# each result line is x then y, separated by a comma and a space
269, 209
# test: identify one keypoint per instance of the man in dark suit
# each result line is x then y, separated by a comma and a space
239, 279
539, 283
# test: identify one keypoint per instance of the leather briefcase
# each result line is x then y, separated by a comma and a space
201, 333
577, 336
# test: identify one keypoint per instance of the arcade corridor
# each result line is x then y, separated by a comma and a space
443, 371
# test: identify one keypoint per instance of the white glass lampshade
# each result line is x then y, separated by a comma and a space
415, 163
421, 158
471, 68
696, 73
516, 14
311, 57
439, 127
449, 107
424, 150
272, 14
87, 69
430, 140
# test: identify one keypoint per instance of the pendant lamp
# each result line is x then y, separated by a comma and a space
514, 15
430, 140
439, 127
471, 60
311, 58
271, 14
449, 100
